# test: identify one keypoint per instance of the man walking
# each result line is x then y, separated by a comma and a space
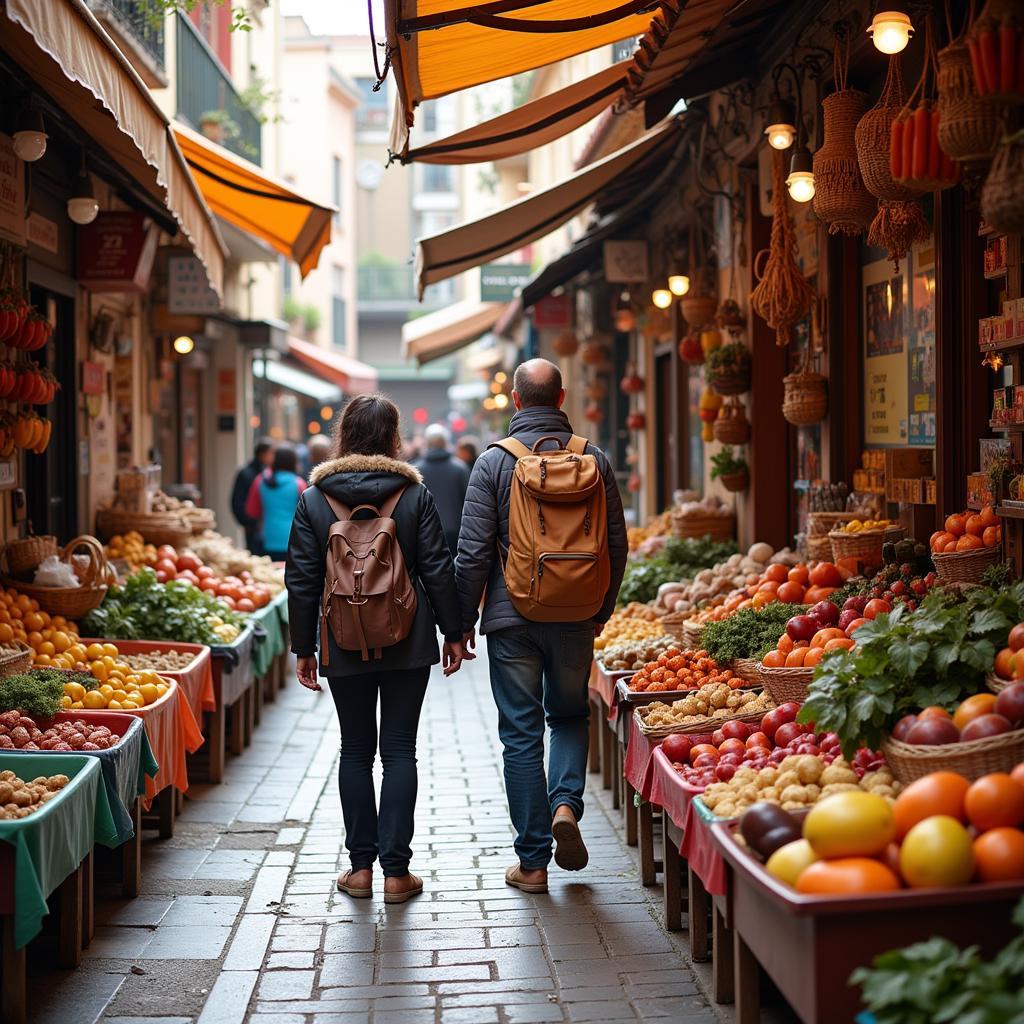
548, 594
261, 460
447, 478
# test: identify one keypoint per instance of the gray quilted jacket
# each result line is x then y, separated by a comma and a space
485, 522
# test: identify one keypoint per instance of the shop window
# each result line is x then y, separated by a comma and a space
372, 114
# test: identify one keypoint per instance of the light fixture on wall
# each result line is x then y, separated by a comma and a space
678, 284
183, 344
800, 182
890, 30
83, 206
781, 129
662, 298
30, 135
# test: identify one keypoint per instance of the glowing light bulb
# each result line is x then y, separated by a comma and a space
662, 298
800, 182
183, 344
890, 31
780, 136
678, 284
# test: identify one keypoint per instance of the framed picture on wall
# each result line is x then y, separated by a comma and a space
885, 353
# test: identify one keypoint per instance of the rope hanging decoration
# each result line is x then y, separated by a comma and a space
783, 296
900, 221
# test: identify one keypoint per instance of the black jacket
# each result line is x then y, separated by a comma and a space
447, 478
371, 480
485, 521
240, 492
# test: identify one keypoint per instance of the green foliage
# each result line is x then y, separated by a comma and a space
678, 560
144, 609
731, 358
905, 661
291, 309
724, 462
35, 693
998, 575
311, 317
935, 982
748, 633
156, 10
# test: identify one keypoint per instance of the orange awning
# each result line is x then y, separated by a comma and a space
352, 376
244, 195
438, 47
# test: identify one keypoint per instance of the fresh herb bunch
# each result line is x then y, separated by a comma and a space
997, 575
144, 608
724, 462
748, 633
680, 559
935, 982
35, 693
905, 661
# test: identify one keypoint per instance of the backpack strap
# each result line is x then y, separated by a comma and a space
387, 510
577, 445
344, 513
340, 510
514, 447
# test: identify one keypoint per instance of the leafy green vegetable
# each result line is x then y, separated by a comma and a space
36, 693
934, 982
746, 634
680, 559
144, 609
905, 661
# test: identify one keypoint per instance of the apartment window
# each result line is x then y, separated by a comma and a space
336, 186
373, 107
286, 275
339, 331
429, 117
437, 178
338, 280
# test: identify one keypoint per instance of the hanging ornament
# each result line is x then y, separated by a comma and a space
596, 390
690, 350
636, 420
623, 314
634, 483
631, 383
710, 403
594, 354
566, 344
594, 412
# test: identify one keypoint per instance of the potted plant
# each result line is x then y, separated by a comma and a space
732, 471
727, 368
311, 320
217, 126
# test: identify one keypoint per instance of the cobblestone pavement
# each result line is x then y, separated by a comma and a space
239, 920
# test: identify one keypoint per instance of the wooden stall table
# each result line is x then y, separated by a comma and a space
638, 771
809, 945
49, 851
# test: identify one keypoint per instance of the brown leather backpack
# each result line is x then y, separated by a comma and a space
369, 600
557, 568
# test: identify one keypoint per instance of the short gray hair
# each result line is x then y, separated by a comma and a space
538, 382
436, 436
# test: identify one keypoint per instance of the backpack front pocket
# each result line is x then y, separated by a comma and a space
567, 579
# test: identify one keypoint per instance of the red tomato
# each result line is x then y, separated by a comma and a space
245, 605
165, 565
702, 748
188, 561
204, 572
876, 607
209, 584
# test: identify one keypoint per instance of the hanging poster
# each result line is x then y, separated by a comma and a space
885, 358
922, 346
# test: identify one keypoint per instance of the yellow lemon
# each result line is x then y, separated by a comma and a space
149, 692
110, 651
99, 670
114, 705
43, 659
131, 705
120, 694
94, 652
77, 706
94, 700
47, 648
161, 689
76, 691
61, 641
65, 701
148, 675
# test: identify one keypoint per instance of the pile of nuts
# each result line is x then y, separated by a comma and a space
19, 798
632, 655
160, 661
634, 622
713, 700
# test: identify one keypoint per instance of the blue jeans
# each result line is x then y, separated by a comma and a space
540, 671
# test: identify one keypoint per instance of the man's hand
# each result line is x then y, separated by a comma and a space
306, 669
469, 646
453, 656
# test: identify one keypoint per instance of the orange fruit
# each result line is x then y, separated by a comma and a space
813, 656
992, 537
972, 707
1004, 663
768, 587
785, 643
937, 793
843, 643
799, 574
988, 515
791, 592
774, 659
994, 801
1016, 640
847, 874
999, 855
976, 525
94, 700
934, 712
956, 525
795, 658
969, 542
775, 574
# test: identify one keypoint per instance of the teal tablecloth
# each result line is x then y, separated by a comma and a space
50, 843
269, 618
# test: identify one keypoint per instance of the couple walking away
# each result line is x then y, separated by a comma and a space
370, 578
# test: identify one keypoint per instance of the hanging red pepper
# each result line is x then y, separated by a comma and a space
908, 146
934, 153
896, 149
988, 54
922, 130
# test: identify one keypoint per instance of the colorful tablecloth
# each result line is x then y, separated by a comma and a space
638, 767
232, 665
50, 843
269, 620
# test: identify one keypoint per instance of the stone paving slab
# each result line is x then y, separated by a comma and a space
240, 922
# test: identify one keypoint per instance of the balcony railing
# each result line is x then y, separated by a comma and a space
397, 284
136, 25
204, 87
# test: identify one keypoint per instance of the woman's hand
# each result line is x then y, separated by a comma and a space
453, 656
306, 668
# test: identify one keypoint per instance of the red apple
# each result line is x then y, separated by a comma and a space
705, 760
758, 739
731, 746
1010, 703
787, 732
736, 730
902, 727
802, 627
677, 747
725, 771
985, 725
846, 616
857, 604
933, 732
826, 613
717, 737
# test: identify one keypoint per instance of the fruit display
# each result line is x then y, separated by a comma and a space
808, 638
658, 528
159, 661
968, 531
104, 681
679, 559
635, 621
18, 798
634, 654
860, 525
938, 832
974, 718
1007, 664
682, 670
132, 548
711, 702
221, 555
22, 620
18, 732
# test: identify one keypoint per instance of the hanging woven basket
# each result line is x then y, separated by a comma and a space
698, 310
805, 397
738, 481
1002, 196
969, 127
732, 425
840, 198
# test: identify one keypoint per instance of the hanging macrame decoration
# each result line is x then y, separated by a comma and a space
900, 221
783, 296
840, 198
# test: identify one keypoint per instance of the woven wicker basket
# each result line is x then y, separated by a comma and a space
13, 663
738, 481
969, 127
201, 519
1002, 195
971, 760
821, 524
748, 669
673, 623
23, 556
785, 684
964, 566
805, 398
732, 382
865, 545
691, 634
698, 310
74, 602
840, 198
732, 426
819, 549
156, 527
700, 524
996, 683
705, 724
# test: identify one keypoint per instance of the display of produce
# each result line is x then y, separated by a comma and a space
682, 670
23, 621
18, 798
1007, 664
975, 718
37, 693
18, 732
658, 527
710, 702
634, 654
635, 621
678, 560
132, 548
106, 682
748, 633
221, 555
145, 609
968, 531
859, 525
159, 661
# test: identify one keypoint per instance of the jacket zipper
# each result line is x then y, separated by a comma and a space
576, 556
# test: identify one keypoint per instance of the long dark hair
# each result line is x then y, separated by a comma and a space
368, 426
285, 461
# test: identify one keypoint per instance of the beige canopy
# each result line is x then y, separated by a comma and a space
446, 330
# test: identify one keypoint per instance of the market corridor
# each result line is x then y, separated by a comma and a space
238, 919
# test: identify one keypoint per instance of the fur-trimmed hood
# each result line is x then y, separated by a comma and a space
365, 464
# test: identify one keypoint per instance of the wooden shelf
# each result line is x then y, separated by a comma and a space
1006, 428
1009, 512
994, 275
1001, 346
987, 231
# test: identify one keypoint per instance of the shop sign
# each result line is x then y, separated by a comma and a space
116, 252
93, 378
43, 232
625, 261
499, 282
188, 288
553, 311
12, 193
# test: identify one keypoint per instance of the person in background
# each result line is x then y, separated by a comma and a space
447, 478
319, 450
468, 449
272, 500
261, 460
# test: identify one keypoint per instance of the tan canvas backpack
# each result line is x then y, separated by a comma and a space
557, 568
369, 601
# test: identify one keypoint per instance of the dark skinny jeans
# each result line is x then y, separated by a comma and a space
386, 834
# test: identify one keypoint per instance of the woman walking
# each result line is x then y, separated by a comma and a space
272, 500
365, 471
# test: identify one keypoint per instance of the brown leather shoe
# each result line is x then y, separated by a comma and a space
399, 890
570, 850
357, 884
535, 881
